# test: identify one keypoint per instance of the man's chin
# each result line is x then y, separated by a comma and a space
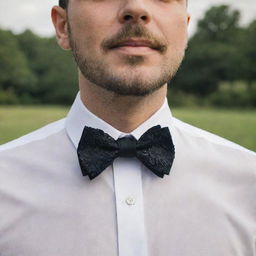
131, 86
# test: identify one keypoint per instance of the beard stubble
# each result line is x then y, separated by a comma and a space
130, 82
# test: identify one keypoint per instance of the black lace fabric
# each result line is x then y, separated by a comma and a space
97, 150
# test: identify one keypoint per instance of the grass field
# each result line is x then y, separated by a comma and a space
236, 125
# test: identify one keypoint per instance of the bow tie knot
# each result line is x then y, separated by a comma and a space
127, 147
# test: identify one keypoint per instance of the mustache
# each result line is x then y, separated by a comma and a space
139, 32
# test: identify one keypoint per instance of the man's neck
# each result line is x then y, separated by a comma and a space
125, 113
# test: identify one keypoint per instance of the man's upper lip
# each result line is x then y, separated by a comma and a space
135, 43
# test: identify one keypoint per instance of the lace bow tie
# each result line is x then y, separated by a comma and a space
97, 150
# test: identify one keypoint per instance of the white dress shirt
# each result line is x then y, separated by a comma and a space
205, 207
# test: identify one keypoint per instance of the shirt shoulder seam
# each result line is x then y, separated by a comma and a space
200, 133
37, 135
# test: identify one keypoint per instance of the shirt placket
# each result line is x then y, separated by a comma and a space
129, 207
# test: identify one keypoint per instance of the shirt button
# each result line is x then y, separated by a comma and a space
130, 200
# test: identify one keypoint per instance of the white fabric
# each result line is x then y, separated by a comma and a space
206, 206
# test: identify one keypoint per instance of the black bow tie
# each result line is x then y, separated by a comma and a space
97, 150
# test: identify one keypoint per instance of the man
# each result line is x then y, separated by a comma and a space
120, 175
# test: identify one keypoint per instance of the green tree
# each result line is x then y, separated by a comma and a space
247, 66
60, 77
248, 50
15, 74
212, 53
53, 67
220, 24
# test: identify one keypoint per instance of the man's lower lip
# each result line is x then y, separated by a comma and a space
135, 50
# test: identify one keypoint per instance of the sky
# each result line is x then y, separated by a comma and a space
18, 15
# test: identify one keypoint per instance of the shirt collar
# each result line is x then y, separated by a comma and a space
79, 116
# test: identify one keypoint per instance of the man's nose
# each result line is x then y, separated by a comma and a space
134, 11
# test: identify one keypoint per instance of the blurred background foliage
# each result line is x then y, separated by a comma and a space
219, 68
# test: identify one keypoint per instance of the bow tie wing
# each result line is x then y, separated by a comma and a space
156, 150
96, 151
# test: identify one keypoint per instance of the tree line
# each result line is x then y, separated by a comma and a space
219, 68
